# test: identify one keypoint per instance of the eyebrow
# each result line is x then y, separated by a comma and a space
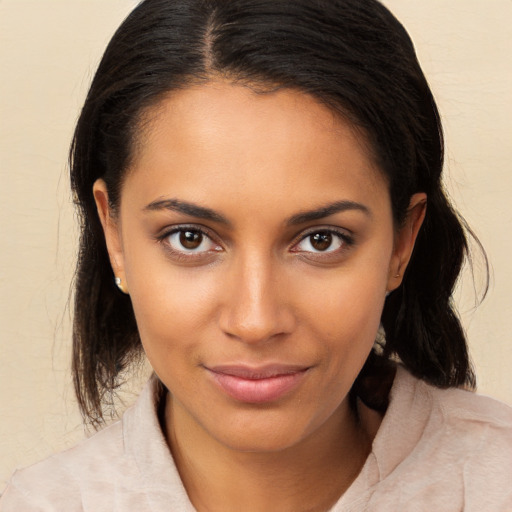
194, 210
201, 212
326, 210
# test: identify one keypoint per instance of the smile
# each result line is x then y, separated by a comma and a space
257, 385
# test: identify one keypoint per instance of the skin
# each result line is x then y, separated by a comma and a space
257, 288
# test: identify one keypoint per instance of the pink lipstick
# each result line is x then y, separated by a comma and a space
257, 385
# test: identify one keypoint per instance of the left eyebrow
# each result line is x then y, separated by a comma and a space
326, 210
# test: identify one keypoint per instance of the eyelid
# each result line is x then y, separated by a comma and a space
344, 233
169, 230
165, 233
346, 236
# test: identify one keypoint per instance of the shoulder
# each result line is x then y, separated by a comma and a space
457, 411
448, 445
58, 482
461, 405
127, 466
102, 473
471, 421
477, 436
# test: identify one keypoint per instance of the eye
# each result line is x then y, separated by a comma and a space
190, 241
322, 241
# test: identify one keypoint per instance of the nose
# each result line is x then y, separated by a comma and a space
256, 309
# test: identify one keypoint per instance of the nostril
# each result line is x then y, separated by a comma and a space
257, 325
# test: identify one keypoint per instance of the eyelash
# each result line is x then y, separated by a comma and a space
185, 255
346, 239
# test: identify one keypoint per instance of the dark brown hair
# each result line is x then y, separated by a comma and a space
352, 55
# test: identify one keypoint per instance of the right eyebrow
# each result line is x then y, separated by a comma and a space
187, 208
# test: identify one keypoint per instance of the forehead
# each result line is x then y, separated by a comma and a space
220, 140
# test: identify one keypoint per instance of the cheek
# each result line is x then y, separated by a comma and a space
346, 298
344, 309
347, 322
171, 315
171, 304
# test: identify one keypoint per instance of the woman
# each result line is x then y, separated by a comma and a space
259, 184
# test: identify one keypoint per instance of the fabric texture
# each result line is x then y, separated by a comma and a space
436, 450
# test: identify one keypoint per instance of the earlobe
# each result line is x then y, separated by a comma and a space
111, 232
405, 240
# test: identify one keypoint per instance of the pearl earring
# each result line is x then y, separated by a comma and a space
119, 284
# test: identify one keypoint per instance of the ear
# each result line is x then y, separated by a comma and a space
112, 232
405, 239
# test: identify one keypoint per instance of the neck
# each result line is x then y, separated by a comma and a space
308, 476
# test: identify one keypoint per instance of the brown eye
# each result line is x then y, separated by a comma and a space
321, 241
191, 239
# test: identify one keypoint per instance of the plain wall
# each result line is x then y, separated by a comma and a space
48, 53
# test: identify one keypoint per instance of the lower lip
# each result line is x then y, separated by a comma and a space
258, 391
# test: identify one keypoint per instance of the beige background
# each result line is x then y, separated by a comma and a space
48, 52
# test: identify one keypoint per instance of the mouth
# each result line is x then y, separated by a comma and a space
257, 385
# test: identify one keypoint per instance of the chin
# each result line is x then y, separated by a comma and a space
270, 428
264, 440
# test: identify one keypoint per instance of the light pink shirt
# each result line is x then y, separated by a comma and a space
435, 451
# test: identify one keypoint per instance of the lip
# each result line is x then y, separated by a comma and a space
257, 385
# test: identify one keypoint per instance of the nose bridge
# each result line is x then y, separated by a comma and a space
256, 309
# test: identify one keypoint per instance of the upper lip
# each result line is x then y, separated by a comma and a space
257, 372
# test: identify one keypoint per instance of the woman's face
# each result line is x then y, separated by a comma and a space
255, 237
